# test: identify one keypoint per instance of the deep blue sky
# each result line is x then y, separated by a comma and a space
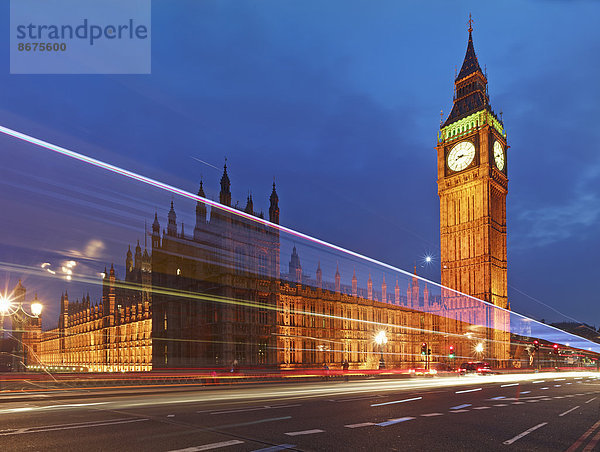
340, 102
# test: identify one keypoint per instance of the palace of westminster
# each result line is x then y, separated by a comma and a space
207, 299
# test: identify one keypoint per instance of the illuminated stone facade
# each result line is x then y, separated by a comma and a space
472, 185
111, 336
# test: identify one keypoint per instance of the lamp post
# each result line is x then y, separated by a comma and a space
14, 309
381, 339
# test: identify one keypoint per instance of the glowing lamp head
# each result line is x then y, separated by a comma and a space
381, 338
5, 304
479, 347
428, 259
36, 308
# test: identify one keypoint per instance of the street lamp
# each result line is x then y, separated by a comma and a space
479, 347
381, 339
14, 309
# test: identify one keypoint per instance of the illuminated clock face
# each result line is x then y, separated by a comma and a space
461, 156
498, 155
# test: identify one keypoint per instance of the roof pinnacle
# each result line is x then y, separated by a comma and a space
470, 23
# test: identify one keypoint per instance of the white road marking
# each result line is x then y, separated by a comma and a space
557, 386
432, 414
512, 384
518, 403
458, 407
51, 428
363, 424
256, 408
395, 421
501, 404
525, 392
591, 399
558, 397
233, 442
559, 379
526, 432
498, 398
533, 401
569, 383
539, 381
305, 432
397, 401
568, 411
542, 389
482, 408
259, 421
459, 411
170, 415
468, 390
276, 448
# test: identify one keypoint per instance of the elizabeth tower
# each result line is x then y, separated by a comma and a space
472, 185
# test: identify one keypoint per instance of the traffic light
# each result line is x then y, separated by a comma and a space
555, 347
451, 354
424, 348
536, 345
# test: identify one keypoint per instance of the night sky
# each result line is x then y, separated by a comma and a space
340, 102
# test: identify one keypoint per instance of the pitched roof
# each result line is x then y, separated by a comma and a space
470, 64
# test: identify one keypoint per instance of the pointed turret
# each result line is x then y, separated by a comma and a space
470, 64
129, 260
384, 291
172, 222
319, 276
397, 293
155, 232
295, 269
338, 279
249, 205
138, 256
274, 207
370, 288
470, 88
200, 214
225, 194
354, 284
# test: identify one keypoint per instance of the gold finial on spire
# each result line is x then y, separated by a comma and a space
441, 117
470, 23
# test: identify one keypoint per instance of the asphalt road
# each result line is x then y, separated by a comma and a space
546, 412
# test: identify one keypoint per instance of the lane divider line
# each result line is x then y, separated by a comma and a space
395, 421
363, 424
397, 401
468, 390
232, 442
305, 432
568, 411
525, 433
458, 407
592, 399
276, 448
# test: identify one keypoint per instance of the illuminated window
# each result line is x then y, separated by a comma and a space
262, 263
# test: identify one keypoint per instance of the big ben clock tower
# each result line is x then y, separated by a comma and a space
472, 185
